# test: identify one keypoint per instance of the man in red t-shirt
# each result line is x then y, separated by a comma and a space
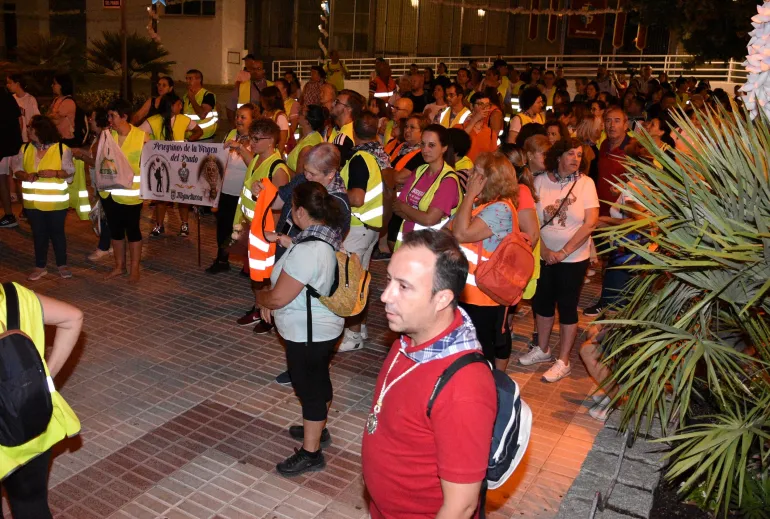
417, 467
611, 154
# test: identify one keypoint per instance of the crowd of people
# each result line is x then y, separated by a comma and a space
431, 173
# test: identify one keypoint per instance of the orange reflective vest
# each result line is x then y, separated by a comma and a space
391, 145
401, 164
261, 251
475, 252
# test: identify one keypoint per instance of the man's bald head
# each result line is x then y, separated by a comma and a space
403, 108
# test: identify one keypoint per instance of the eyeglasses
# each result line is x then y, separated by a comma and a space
338, 102
257, 139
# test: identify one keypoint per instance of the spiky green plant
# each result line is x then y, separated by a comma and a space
145, 57
56, 54
698, 319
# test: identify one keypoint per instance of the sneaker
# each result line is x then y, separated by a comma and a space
378, 255
351, 342
157, 230
558, 371
218, 266
298, 433
283, 379
593, 311
8, 221
599, 397
262, 327
23, 215
37, 274
364, 332
65, 272
300, 462
250, 317
99, 254
184, 231
534, 356
600, 412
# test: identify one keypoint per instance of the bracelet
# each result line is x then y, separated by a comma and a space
565, 252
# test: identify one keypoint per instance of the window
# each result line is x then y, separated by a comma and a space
192, 8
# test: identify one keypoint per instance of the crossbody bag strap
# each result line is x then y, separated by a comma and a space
563, 201
12, 317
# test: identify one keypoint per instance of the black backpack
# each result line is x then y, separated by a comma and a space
80, 133
25, 395
513, 422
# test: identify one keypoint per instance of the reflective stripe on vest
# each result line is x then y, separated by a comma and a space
132, 149
209, 123
246, 203
262, 252
78, 193
458, 119
427, 198
44, 194
370, 213
383, 95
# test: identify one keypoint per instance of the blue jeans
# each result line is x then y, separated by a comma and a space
614, 283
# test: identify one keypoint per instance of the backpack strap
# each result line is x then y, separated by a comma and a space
13, 319
312, 291
454, 367
273, 167
61, 151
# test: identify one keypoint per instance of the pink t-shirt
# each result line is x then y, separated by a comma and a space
446, 198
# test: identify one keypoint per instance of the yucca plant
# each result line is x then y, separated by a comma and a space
697, 324
145, 57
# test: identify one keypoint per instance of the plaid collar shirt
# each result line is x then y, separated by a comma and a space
462, 338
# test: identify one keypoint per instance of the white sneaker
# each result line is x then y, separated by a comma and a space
599, 396
352, 341
534, 356
558, 371
364, 332
37, 274
600, 412
99, 254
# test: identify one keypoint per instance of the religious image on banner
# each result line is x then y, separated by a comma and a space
587, 25
184, 172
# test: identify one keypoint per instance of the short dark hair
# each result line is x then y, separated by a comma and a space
195, 71
100, 117
65, 82
558, 149
461, 141
265, 128
250, 57
527, 131
271, 98
356, 102
602, 104
122, 107
551, 72
45, 129
365, 125
316, 115
451, 270
494, 71
19, 78
319, 204
528, 97
320, 70
458, 89
465, 69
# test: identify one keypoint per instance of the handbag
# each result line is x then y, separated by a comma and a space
112, 170
95, 215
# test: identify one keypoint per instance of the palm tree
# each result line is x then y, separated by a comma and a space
698, 322
52, 54
145, 57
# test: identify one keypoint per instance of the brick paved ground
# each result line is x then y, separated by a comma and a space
181, 417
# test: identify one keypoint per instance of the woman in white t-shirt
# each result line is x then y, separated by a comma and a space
316, 212
273, 109
434, 109
568, 208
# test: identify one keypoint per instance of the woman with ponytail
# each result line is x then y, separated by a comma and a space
318, 214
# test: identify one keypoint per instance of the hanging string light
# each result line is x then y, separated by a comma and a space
481, 12
323, 28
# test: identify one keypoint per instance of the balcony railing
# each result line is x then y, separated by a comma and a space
574, 66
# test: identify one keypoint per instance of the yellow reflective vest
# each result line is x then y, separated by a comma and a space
64, 422
178, 129
427, 198
244, 92
457, 119
267, 169
132, 149
44, 194
78, 191
308, 140
369, 214
209, 123
346, 130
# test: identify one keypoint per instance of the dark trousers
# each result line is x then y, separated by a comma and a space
123, 220
559, 284
27, 488
105, 240
309, 372
490, 322
48, 226
224, 215
613, 284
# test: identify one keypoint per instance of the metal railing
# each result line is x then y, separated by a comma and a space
574, 66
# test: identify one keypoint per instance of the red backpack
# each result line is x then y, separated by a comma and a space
507, 272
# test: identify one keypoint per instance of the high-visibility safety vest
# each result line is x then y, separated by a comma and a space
261, 251
132, 149
244, 92
457, 119
403, 161
178, 129
78, 191
388, 132
311, 140
475, 253
464, 164
384, 90
390, 146
44, 194
525, 119
64, 422
427, 198
369, 214
516, 88
346, 129
266, 170
209, 123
